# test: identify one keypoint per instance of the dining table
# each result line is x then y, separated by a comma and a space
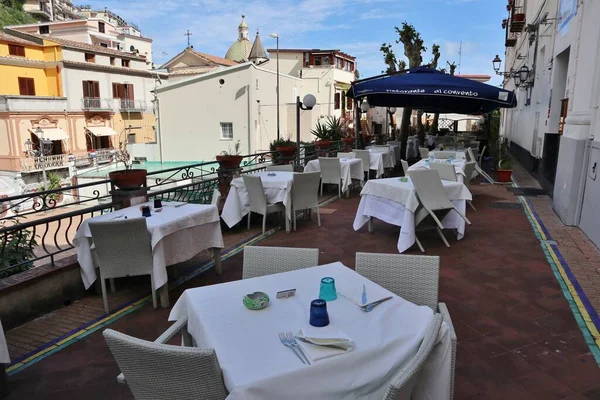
381, 159
256, 365
352, 168
461, 154
178, 231
394, 149
459, 166
394, 200
278, 189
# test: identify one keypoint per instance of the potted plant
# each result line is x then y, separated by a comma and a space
322, 133
282, 150
128, 178
230, 159
53, 183
504, 164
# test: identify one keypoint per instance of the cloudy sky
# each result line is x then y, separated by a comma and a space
357, 27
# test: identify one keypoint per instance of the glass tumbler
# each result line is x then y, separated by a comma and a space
318, 313
327, 291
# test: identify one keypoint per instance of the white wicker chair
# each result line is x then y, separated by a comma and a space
258, 200
122, 248
366, 159
480, 156
305, 194
435, 204
404, 166
446, 171
403, 384
444, 154
469, 170
331, 172
423, 152
286, 168
261, 260
216, 197
345, 155
154, 370
478, 166
414, 278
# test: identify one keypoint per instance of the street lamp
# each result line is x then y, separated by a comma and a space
496, 63
523, 74
39, 132
307, 103
391, 111
276, 36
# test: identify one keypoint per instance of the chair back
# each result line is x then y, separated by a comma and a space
430, 190
469, 169
162, 371
345, 155
423, 152
286, 168
403, 384
122, 247
305, 190
262, 260
256, 193
331, 170
474, 144
364, 155
446, 171
404, 166
216, 197
414, 278
444, 154
135, 201
481, 155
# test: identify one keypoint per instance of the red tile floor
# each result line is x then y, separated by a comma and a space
517, 335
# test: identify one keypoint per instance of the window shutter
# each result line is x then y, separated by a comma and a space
22, 86
86, 89
130, 91
343, 95
30, 86
336, 101
95, 89
349, 104
115, 90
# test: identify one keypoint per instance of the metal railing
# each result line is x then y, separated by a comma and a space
94, 103
30, 164
131, 105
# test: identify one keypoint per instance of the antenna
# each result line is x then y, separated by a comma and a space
188, 34
459, 56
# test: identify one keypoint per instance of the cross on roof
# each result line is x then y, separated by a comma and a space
188, 34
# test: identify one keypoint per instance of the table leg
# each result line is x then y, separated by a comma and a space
287, 222
3, 382
370, 225
163, 292
217, 259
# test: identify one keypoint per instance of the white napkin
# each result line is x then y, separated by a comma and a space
319, 343
374, 294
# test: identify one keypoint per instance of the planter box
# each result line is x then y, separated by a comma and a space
504, 175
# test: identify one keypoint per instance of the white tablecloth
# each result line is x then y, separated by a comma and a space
393, 148
459, 167
460, 154
278, 189
4, 357
176, 233
380, 160
395, 202
257, 366
352, 168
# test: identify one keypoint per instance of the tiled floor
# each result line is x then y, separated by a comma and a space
517, 335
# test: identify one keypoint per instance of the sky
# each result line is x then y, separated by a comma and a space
356, 27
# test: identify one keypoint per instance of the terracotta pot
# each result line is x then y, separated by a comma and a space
520, 17
287, 152
129, 179
323, 144
348, 140
504, 175
229, 162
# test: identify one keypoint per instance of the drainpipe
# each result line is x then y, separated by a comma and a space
158, 130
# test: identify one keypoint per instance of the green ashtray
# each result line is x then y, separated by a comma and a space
256, 300
404, 179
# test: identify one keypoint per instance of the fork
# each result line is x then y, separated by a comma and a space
295, 345
284, 340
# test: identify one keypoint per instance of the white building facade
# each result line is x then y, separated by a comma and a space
553, 129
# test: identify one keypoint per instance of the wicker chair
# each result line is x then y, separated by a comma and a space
346, 155
258, 200
366, 158
414, 278
285, 168
305, 194
446, 171
331, 172
404, 166
261, 260
435, 204
478, 166
154, 370
403, 384
216, 197
122, 248
423, 152
469, 170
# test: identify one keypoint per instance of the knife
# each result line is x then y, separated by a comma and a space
364, 295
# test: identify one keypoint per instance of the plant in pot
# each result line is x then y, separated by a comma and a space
323, 135
282, 151
128, 178
504, 164
53, 183
231, 158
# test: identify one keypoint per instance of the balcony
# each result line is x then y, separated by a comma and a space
517, 22
127, 105
54, 161
46, 104
95, 104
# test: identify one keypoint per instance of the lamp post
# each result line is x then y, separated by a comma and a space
40, 134
276, 36
307, 103
392, 111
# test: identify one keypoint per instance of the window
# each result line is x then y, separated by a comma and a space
15, 50
349, 66
349, 104
44, 29
112, 61
124, 92
125, 63
103, 45
343, 100
91, 94
338, 63
91, 58
26, 86
317, 60
336, 101
101, 27
226, 130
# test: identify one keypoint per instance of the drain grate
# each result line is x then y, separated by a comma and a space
526, 191
506, 205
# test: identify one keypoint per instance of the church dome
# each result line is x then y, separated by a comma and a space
240, 49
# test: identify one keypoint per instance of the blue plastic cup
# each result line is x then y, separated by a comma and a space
318, 313
327, 291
